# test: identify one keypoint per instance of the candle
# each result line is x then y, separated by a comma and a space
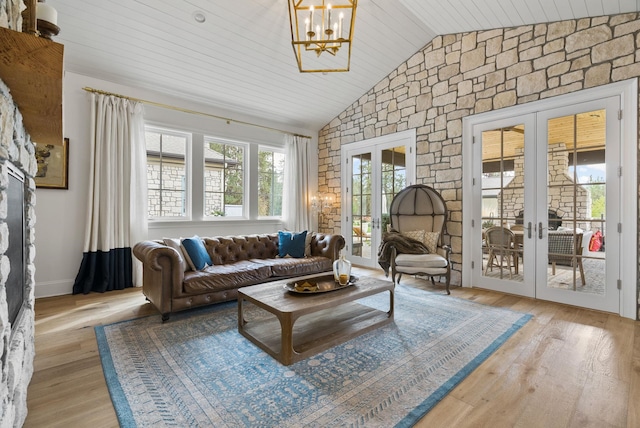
329, 16
47, 13
318, 32
340, 25
306, 28
343, 279
311, 18
335, 31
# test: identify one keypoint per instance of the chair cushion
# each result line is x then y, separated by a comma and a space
424, 261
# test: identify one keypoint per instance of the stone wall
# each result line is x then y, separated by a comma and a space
561, 190
17, 343
458, 75
16, 348
173, 178
11, 14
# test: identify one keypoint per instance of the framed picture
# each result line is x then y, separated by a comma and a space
53, 165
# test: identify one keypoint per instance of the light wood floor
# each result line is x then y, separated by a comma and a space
568, 367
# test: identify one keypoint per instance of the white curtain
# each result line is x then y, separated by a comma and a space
295, 198
116, 208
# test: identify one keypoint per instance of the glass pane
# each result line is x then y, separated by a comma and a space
270, 183
391, 178
264, 193
576, 201
166, 173
173, 203
224, 179
154, 203
361, 205
394, 179
502, 208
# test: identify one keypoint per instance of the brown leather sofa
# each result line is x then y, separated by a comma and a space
238, 261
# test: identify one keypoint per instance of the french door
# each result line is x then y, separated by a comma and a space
546, 211
585, 272
373, 172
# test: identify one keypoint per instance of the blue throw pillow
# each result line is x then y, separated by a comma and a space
197, 252
291, 244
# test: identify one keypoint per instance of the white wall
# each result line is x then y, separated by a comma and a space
61, 213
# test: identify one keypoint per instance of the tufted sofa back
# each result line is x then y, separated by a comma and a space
230, 249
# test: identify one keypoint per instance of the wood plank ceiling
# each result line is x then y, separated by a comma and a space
240, 59
584, 132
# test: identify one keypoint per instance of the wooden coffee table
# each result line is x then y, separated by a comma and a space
306, 324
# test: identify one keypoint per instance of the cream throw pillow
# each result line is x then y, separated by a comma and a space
175, 244
418, 235
307, 244
431, 241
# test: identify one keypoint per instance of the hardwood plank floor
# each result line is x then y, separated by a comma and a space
568, 367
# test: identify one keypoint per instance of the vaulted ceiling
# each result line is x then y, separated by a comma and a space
241, 60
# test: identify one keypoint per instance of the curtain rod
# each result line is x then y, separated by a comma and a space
185, 110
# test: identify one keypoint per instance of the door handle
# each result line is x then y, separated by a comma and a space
540, 230
529, 230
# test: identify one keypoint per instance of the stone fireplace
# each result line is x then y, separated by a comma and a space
560, 191
17, 268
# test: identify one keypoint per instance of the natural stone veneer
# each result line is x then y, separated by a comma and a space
457, 75
16, 350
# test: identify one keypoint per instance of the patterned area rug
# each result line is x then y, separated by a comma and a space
197, 370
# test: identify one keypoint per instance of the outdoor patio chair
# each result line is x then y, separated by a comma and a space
502, 249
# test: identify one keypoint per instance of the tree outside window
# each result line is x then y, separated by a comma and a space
270, 182
224, 179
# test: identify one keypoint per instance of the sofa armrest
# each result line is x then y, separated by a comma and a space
327, 245
162, 273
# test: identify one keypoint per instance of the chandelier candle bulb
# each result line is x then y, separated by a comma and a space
340, 25
329, 16
311, 18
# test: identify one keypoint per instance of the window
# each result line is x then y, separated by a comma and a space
195, 177
223, 179
166, 173
270, 182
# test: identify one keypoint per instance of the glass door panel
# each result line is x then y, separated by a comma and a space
376, 170
577, 265
502, 209
393, 179
361, 205
503, 206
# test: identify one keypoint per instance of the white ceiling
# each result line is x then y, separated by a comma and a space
241, 58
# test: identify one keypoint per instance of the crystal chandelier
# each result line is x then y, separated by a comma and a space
321, 34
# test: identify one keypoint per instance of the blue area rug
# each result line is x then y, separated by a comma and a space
197, 370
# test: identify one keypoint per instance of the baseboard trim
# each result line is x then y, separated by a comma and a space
53, 288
